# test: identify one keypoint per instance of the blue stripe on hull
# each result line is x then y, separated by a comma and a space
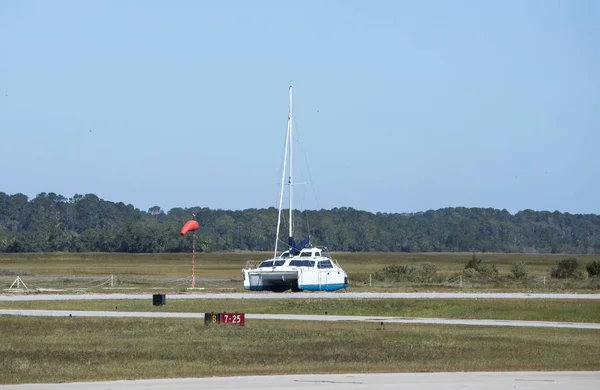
254, 288
322, 287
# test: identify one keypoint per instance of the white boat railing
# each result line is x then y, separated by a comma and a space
252, 264
336, 263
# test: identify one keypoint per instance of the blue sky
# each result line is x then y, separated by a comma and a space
400, 106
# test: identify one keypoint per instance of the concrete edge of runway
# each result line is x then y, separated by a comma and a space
305, 317
302, 295
574, 380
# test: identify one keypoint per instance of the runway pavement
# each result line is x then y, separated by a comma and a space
317, 295
583, 380
299, 317
304, 295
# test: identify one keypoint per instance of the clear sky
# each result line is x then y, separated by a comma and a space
400, 106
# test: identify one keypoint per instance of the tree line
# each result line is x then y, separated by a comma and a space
86, 223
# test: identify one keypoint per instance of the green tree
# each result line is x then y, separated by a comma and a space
519, 270
566, 268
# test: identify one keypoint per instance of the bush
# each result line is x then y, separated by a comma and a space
358, 278
475, 269
594, 282
519, 270
474, 263
420, 273
424, 272
471, 273
392, 273
593, 268
566, 268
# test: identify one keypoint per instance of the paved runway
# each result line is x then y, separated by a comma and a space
313, 295
584, 380
300, 317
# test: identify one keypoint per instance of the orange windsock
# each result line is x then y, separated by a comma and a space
189, 226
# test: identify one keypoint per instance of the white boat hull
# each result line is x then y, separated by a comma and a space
259, 280
295, 280
322, 280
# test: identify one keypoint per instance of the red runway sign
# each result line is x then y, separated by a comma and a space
225, 318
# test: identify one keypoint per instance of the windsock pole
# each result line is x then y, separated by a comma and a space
191, 226
193, 253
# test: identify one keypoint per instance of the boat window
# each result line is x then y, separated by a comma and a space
324, 264
305, 254
302, 263
265, 264
279, 263
285, 255
318, 254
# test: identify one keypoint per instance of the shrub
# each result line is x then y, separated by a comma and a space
593, 268
420, 273
519, 270
475, 269
424, 272
474, 263
471, 273
358, 278
594, 282
566, 268
392, 273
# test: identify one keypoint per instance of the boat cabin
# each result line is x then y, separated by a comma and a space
271, 263
304, 253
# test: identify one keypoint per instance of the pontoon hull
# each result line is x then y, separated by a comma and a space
310, 280
322, 280
276, 281
323, 287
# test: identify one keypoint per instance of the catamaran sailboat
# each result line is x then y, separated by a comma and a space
302, 266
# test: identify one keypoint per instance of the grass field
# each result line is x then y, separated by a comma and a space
45, 349
228, 265
60, 270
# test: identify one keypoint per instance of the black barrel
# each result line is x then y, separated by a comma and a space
159, 299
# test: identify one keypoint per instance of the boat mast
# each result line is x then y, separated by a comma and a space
287, 143
291, 237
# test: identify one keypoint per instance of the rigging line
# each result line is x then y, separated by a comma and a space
283, 242
308, 225
278, 183
310, 180
325, 237
285, 153
305, 211
305, 164
284, 223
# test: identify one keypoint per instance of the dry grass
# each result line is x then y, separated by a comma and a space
538, 265
226, 265
45, 349
137, 270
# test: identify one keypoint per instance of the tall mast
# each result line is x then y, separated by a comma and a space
288, 145
290, 178
287, 136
